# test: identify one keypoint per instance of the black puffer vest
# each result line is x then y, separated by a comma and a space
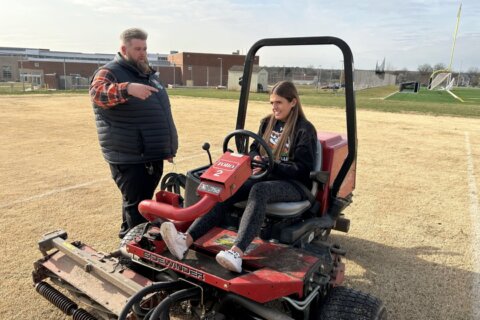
139, 130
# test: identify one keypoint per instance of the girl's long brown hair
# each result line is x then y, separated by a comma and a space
287, 90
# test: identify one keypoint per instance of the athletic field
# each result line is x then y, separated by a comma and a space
415, 228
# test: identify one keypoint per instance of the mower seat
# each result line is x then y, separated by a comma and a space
294, 208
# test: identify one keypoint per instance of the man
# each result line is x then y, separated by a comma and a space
134, 124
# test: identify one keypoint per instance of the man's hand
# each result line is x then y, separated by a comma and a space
140, 91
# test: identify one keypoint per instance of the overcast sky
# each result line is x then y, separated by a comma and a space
406, 33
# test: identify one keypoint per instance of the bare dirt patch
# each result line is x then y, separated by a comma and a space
412, 236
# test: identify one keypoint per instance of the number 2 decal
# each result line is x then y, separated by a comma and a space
218, 173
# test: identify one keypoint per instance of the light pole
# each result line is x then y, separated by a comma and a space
331, 74
21, 75
221, 74
207, 76
64, 74
190, 67
319, 74
341, 72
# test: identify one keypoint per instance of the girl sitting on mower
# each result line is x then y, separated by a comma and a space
293, 141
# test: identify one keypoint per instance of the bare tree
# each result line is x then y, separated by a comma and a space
474, 74
439, 66
425, 68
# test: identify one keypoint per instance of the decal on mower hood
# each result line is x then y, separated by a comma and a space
225, 165
174, 265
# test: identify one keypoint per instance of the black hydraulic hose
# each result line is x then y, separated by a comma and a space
137, 297
173, 182
162, 311
255, 307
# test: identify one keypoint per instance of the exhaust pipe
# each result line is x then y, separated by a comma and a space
63, 303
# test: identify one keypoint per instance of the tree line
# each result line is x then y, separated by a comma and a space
469, 78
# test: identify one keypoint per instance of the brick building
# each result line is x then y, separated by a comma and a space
205, 69
73, 70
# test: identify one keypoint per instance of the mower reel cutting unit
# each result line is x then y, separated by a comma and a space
290, 271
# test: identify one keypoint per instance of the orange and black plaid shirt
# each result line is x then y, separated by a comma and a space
106, 92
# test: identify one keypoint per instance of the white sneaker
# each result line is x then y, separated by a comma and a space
230, 260
176, 241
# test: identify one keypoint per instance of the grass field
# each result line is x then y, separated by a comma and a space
470, 96
414, 238
425, 102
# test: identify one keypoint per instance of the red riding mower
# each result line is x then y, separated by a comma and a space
290, 270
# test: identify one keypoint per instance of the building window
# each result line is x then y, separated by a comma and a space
7, 72
37, 64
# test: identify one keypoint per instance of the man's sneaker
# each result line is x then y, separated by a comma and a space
230, 260
176, 241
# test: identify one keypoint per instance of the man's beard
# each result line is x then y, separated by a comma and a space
140, 65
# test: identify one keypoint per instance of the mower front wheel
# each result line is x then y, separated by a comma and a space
136, 231
344, 303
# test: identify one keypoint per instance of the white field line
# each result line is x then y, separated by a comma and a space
391, 94
192, 156
77, 186
474, 214
51, 192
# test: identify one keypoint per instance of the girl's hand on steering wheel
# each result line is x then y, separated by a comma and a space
257, 170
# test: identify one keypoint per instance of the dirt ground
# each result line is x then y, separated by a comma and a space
414, 237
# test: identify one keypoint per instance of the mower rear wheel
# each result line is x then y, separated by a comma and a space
348, 304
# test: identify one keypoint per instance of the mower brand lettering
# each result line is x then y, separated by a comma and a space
173, 265
226, 165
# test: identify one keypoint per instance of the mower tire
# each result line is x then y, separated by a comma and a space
132, 234
348, 304
136, 231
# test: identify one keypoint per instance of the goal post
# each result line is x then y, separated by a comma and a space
439, 79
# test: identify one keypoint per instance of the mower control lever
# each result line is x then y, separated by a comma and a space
206, 147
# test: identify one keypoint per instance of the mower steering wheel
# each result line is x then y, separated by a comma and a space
241, 141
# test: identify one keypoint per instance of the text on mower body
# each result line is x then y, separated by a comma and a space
174, 265
225, 165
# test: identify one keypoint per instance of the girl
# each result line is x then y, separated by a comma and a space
293, 141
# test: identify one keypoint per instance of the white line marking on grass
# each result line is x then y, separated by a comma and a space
391, 94
192, 156
474, 214
77, 186
51, 192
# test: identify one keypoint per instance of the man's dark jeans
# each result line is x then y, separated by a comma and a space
137, 182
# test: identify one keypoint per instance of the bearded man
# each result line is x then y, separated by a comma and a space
134, 123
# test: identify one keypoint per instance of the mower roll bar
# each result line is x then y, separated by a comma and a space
349, 94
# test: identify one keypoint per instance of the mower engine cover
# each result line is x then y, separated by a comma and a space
225, 176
